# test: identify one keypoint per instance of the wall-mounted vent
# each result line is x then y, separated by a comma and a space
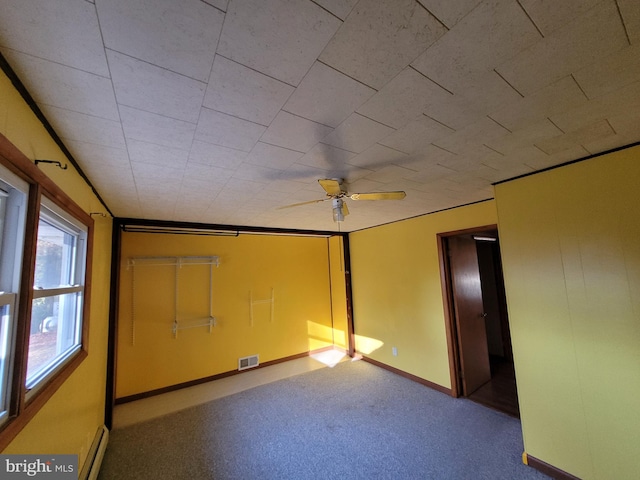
248, 362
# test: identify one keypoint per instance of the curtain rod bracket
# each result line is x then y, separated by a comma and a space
54, 162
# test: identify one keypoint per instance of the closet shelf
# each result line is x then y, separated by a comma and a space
176, 261
193, 323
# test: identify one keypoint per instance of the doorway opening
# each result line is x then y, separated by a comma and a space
480, 353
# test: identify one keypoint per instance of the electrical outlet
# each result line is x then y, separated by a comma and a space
394, 351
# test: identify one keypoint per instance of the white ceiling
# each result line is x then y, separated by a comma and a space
221, 111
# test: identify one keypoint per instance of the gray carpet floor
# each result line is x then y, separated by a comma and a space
353, 421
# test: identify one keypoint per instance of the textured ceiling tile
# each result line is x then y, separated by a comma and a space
431, 173
227, 131
598, 131
67, 87
469, 157
283, 186
390, 173
178, 36
151, 175
90, 155
484, 92
209, 154
575, 152
326, 157
156, 154
517, 162
65, 32
105, 178
482, 131
478, 177
618, 102
256, 173
549, 16
621, 137
241, 189
625, 123
454, 111
153, 89
327, 96
492, 33
157, 206
201, 189
294, 133
272, 156
378, 156
415, 134
357, 133
85, 128
305, 175
478, 133
340, 8
589, 38
615, 71
258, 34
380, 38
221, 4
442, 97
523, 137
558, 97
153, 128
210, 173
430, 155
449, 13
631, 17
403, 99
245, 93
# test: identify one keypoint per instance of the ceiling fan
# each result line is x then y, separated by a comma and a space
335, 193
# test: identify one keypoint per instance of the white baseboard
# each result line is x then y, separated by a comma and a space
92, 464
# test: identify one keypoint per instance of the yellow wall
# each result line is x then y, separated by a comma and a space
71, 418
297, 268
570, 240
397, 294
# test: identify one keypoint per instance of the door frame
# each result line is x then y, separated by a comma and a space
448, 301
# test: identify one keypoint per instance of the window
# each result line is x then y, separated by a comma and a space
12, 223
45, 257
56, 312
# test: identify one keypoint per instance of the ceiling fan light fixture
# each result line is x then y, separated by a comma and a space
338, 213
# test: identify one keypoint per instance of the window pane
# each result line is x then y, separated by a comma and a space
56, 311
54, 257
55, 331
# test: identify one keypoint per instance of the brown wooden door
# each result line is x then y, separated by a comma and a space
470, 320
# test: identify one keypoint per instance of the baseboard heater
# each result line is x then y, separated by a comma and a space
248, 362
92, 464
